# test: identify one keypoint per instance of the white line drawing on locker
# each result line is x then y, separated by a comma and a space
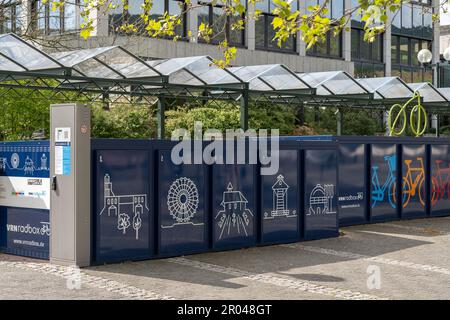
280, 200
182, 202
120, 205
29, 168
235, 214
321, 199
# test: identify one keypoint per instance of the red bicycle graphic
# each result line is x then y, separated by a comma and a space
440, 183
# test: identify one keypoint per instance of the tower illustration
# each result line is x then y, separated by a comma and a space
280, 189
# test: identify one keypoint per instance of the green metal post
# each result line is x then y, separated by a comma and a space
244, 107
161, 118
339, 122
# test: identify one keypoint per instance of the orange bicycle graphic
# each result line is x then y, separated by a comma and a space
440, 183
413, 182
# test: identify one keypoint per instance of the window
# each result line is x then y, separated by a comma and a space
414, 19
265, 32
332, 46
47, 20
404, 59
12, 19
367, 57
222, 25
119, 17
364, 50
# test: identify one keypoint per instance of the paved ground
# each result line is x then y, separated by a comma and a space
412, 257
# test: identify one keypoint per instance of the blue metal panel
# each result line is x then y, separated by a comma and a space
280, 201
440, 180
383, 182
123, 216
234, 210
25, 232
413, 181
321, 219
183, 223
352, 184
25, 159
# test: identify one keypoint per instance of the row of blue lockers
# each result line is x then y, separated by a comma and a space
145, 206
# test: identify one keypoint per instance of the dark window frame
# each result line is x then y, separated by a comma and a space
265, 17
313, 50
125, 16
358, 48
228, 24
12, 8
47, 30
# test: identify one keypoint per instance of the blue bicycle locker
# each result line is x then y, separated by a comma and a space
182, 218
440, 180
320, 194
414, 181
280, 203
383, 182
123, 215
352, 184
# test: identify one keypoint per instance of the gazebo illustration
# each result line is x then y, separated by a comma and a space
321, 199
235, 217
280, 200
123, 207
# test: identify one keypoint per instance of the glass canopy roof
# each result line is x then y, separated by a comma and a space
445, 92
387, 87
428, 92
106, 62
116, 63
333, 83
199, 70
269, 77
19, 55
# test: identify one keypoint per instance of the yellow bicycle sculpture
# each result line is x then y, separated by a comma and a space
417, 119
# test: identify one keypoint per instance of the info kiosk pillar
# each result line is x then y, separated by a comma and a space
70, 215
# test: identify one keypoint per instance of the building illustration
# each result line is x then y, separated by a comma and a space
127, 208
235, 217
28, 167
321, 199
280, 200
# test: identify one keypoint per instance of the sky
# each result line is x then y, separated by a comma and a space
444, 18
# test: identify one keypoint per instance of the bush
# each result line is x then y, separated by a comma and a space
123, 121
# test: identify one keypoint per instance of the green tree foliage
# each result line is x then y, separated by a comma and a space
228, 117
123, 121
21, 117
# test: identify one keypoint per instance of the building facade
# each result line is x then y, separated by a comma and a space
392, 53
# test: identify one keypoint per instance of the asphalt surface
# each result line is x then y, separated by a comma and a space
396, 260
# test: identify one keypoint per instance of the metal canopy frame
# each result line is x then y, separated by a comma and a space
115, 75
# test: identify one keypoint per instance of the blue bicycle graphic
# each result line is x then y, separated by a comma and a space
378, 191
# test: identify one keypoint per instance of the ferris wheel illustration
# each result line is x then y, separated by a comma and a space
182, 200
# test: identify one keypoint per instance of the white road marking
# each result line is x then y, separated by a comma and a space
415, 229
351, 255
65, 272
277, 280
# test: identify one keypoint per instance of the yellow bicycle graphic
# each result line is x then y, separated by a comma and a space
397, 118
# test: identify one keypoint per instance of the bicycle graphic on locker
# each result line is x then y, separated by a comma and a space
412, 186
440, 183
378, 193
